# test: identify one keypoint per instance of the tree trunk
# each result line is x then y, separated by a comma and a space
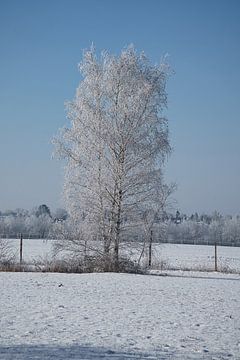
118, 228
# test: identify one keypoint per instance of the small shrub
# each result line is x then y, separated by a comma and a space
160, 264
128, 266
87, 264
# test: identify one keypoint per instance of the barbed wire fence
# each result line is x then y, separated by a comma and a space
32, 248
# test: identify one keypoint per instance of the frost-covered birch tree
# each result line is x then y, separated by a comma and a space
115, 146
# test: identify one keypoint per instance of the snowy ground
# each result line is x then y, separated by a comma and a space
197, 257
177, 256
119, 316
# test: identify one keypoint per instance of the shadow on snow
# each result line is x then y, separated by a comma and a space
78, 352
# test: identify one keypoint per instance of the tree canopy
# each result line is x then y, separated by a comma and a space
115, 147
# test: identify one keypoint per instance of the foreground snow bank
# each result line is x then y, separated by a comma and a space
118, 316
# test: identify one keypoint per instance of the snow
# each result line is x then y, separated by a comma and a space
33, 249
119, 316
198, 257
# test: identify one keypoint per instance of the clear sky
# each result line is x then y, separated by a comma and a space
41, 44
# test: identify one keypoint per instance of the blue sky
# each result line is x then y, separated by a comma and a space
41, 44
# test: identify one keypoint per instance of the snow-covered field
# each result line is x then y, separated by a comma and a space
198, 257
177, 256
119, 316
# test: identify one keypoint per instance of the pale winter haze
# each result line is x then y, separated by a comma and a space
41, 45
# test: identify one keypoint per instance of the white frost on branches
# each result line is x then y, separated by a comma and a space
115, 146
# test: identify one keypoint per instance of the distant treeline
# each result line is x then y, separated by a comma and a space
37, 223
174, 228
203, 229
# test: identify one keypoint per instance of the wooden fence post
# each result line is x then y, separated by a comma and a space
150, 250
21, 249
216, 267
